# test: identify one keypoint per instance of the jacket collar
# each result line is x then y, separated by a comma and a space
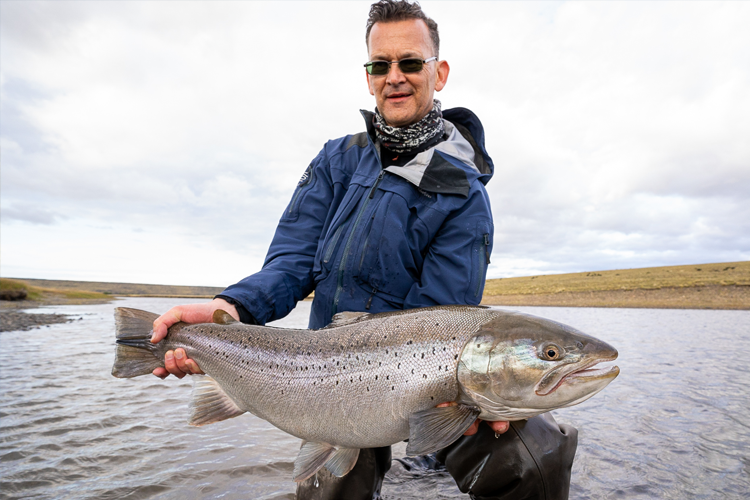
444, 167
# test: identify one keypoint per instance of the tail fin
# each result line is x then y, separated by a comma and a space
134, 354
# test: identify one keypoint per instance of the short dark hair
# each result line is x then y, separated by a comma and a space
388, 11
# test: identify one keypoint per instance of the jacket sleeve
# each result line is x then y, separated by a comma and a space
455, 265
287, 273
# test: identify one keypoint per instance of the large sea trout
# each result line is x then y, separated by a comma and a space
370, 380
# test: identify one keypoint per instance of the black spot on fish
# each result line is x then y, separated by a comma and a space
455, 357
376, 377
393, 387
424, 375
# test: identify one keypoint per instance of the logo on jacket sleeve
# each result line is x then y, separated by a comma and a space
306, 177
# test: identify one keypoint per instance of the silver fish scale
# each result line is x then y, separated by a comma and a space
353, 385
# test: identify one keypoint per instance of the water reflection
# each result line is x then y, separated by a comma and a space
673, 425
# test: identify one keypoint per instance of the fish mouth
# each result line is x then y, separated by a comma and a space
586, 373
590, 373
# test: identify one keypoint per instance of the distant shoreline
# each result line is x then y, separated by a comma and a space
700, 286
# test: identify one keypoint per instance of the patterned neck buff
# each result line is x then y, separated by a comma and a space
418, 136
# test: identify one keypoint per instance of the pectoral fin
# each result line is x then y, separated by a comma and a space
343, 461
210, 403
312, 456
435, 428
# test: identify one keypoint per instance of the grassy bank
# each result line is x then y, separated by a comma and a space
701, 286
110, 290
52, 295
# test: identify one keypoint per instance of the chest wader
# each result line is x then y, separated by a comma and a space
531, 461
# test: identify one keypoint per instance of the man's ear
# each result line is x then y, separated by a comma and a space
369, 83
442, 75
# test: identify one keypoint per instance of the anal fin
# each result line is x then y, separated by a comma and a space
343, 461
210, 403
435, 428
312, 456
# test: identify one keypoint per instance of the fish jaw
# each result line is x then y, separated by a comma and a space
581, 385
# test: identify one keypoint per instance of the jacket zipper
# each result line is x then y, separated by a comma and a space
342, 265
484, 260
332, 243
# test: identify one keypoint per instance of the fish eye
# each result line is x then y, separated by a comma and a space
552, 352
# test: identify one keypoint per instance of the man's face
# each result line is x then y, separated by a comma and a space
404, 98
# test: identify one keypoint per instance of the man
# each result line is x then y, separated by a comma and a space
393, 218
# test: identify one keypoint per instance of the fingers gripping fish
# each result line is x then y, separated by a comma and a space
371, 380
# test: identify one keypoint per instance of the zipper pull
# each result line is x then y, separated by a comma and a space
487, 246
369, 301
377, 182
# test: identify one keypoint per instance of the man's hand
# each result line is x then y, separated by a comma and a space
176, 362
500, 427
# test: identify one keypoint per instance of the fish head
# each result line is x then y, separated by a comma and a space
517, 366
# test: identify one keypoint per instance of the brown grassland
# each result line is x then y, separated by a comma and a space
701, 286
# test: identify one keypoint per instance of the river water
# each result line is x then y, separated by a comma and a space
675, 424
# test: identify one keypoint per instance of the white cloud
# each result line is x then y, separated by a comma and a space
618, 129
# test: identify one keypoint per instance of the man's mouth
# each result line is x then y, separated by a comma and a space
397, 96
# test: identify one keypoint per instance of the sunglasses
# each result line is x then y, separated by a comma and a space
411, 65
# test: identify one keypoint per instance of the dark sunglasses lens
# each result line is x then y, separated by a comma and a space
377, 68
410, 65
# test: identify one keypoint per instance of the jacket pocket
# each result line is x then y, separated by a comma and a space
305, 184
386, 266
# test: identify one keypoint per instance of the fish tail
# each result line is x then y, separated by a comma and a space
134, 354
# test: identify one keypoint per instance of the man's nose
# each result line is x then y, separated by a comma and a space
395, 76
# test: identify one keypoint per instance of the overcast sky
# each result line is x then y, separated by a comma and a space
159, 142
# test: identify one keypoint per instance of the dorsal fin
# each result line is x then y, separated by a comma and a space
221, 317
347, 318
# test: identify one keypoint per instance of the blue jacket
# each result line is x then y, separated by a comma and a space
372, 239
